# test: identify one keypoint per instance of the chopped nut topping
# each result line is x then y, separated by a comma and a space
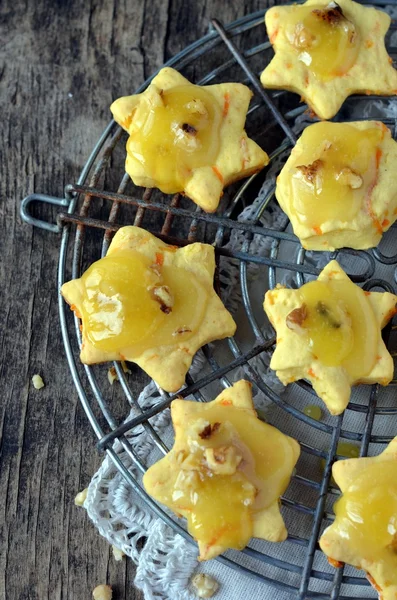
223, 460
332, 14
208, 430
80, 498
189, 129
187, 479
303, 38
164, 297
326, 145
182, 330
296, 318
205, 585
180, 456
102, 592
310, 172
196, 106
349, 177
38, 382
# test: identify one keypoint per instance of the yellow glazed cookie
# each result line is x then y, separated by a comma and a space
187, 138
364, 533
329, 332
149, 303
327, 51
338, 186
225, 472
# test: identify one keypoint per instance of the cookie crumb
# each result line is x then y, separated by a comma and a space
102, 592
38, 382
205, 586
117, 553
80, 498
112, 375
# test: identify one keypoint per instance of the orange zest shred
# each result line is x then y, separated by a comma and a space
226, 104
184, 509
335, 563
74, 308
244, 149
373, 582
392, 313
273, 36
369, 43
216, 537
311, 373
218, 174
317, 229
127, 122
159, 259
226, 402
367, 293
385, 223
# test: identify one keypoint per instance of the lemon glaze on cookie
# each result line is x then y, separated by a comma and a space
326, 51
225, 472
329, 333
364, 533
338, 186
149, 303
188, 138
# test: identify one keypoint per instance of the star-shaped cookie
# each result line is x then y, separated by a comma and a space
225, 472
149, 303
188, 138
326, 51
364, 533
338, 186
329, 333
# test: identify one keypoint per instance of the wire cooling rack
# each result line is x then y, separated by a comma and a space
100, 203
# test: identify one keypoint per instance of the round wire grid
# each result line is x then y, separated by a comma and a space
100, 203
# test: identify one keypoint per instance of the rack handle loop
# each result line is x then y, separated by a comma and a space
28, 218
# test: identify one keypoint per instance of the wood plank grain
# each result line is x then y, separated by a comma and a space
61, 65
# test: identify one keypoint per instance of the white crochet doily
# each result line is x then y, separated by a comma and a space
165, 561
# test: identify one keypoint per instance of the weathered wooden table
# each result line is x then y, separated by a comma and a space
62, 64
